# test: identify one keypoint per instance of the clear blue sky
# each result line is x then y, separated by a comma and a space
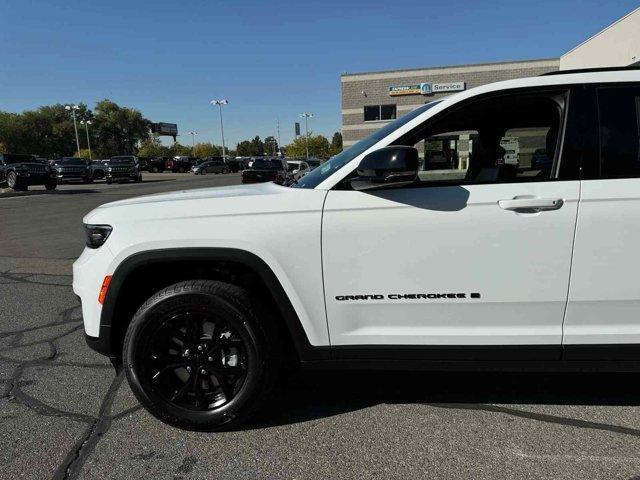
271, 59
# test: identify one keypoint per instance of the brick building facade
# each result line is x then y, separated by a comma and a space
372, 99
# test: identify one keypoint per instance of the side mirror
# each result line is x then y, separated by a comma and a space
393, 166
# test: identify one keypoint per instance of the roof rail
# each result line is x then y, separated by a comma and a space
591, 70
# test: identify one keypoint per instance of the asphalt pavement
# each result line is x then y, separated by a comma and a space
64, 413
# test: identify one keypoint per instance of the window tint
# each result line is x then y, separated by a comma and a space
504, 139
619, 110
379, 112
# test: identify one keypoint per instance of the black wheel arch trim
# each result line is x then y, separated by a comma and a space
103, 344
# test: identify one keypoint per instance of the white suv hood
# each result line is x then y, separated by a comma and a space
204, 202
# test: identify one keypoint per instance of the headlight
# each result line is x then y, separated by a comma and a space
97, 235
109, 169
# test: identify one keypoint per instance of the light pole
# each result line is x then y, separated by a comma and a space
73, 109
306, 116
193, 142
220, 103
86, 124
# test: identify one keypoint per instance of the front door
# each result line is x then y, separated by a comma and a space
464, 260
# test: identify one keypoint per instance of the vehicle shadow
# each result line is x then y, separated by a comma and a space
313, 395
34, 193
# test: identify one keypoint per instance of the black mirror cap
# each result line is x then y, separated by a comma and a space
392, 166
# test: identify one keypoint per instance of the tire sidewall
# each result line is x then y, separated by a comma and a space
244, 325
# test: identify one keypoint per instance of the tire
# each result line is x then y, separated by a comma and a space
225, 170
179, 349
51, 184
12, 181
109, 181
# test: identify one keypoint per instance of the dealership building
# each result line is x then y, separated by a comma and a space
372, 99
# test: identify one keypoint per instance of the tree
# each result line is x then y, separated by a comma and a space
152, 147
336, 144
271, 146
318, 147
118, 129
177, 149
205, 149
243, 148
257, 147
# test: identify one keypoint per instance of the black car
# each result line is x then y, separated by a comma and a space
181, 164
266, 170
123, 167
210, 165
20, 171
73, 168
157, 164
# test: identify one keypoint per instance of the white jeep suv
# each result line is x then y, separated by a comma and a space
380, 258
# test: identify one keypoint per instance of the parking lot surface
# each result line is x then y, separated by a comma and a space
64, 413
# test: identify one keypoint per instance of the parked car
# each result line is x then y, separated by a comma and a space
266, 170
19, 171
143, 163
297, 169
235, 164
99, 168
73, 168
181, 164
123, 167
155, 165
210, 165
365, 264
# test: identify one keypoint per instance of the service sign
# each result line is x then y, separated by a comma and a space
397, 90
448, 87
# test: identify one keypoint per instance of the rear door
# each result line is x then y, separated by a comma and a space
603, 312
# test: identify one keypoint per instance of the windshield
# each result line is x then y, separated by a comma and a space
266, 165
324, 171
73, 161
17, 158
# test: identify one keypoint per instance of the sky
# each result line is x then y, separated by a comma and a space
270, 59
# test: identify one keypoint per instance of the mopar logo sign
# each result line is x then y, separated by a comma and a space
425, 89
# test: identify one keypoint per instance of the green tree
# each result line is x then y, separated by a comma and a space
118, 129
271, 146
83, 153
152, 147
318, 147
205, 149
178, 149
336, 144
243, 148
257, 147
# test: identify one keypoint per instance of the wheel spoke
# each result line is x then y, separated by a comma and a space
167, 368
184, 389
200, 396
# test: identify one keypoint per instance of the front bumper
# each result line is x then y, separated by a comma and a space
121, 175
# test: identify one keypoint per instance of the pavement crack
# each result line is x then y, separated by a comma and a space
542, 417
76, 458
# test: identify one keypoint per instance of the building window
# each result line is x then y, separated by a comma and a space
374, 113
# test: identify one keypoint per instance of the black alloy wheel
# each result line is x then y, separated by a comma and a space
197, 355
193, 360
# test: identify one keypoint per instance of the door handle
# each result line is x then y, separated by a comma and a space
531, 204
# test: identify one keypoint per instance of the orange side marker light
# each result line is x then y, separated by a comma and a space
104, 288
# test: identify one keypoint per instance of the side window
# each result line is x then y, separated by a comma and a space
619, 112
512, 138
